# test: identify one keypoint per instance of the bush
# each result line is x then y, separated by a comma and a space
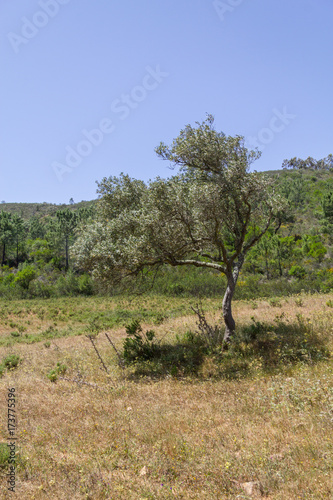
298, 272
137, 345
25, 276
279, 342
11, 361
85, 285
58, 370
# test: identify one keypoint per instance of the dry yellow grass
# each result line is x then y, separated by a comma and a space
187, 438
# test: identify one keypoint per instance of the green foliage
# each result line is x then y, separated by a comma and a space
138, 345
279, 343
11, 361
85, 285
4, 455
327, 205
24, 277
53, 374
297, 271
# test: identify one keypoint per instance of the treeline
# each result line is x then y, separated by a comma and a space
295, 254
35, 254
309, 163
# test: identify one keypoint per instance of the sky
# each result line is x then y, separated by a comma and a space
89, 88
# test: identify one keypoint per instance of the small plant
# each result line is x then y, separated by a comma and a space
138, 345
329, 303
47, 344
15, 334
11, 361
254, 304
275, 302
299, 302
52, 375
58, 370
211, 335
4, 455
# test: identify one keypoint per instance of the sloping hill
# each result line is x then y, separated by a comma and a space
40, 210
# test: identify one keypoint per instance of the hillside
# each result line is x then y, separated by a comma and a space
40, 210
304, 188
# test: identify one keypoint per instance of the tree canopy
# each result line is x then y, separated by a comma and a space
209, 215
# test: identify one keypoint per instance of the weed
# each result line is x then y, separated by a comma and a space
11, 361
275, 302
60, 369
4, 455
211, 335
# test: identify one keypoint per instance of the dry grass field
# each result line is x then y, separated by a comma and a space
264, 433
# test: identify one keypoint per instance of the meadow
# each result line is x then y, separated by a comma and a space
254, 421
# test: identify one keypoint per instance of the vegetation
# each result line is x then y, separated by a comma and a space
183, 424
125, 395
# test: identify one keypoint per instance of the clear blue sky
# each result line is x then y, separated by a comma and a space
139, 70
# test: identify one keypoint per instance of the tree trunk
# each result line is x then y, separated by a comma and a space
3, 254
226, 309
232, 277
66, 244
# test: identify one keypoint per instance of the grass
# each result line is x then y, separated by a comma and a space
30, 321
129, 435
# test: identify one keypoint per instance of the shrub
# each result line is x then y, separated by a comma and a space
138, 345
58, 370
85, 285
25, 276
211, 336
280, 342
11, 361
297, 271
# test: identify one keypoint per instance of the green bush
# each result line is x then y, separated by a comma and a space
11, 361
9, 279
60, 369
279, 343
297, 271
85, 285
24, 277
138, 345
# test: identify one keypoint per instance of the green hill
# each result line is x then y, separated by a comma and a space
40, 210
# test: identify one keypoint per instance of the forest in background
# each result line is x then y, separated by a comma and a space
295, 255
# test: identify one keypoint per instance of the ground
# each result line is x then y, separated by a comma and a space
118, 436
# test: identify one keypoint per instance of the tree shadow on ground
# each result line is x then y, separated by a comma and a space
265, 347
274, 347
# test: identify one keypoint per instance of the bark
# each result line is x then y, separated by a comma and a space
3, 254
66, 249
226, 309
229, 321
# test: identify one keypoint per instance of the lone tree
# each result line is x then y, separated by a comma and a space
209, 215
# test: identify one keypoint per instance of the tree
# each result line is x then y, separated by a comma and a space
36, 228
67, 222
6, 233
18, 233
209, 215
